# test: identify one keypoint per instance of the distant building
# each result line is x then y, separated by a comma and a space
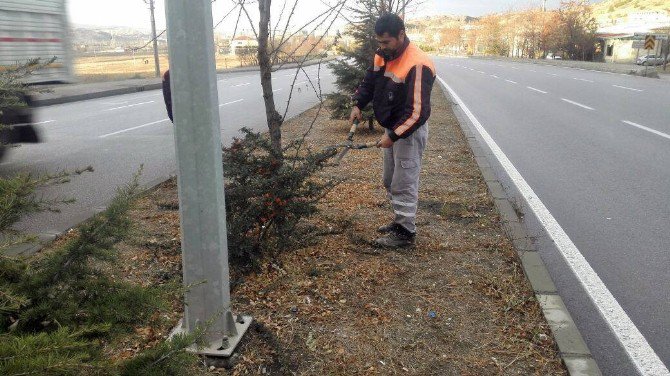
617, 37
242, 42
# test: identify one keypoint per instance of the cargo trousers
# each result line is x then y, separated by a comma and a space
402, 166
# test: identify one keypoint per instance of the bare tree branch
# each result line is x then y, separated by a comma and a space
288, 23
281, 14
330, 12
305, 59
224, 17
327, 13
251, 22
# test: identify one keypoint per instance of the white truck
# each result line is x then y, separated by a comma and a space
32, 29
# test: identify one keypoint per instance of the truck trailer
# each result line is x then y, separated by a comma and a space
32, 29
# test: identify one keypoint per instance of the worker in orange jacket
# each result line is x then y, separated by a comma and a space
399, 85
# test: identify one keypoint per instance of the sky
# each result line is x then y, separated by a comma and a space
135, 13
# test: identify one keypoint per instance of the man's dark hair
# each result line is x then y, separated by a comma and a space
389, 23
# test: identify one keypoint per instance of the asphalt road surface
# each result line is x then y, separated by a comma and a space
117, 134
595, 148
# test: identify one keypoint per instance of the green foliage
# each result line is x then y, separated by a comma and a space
56, 308
266, 197
166, 359
61, 352
358, 57
68, 286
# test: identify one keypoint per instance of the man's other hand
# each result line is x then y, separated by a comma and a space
385, 142
355, 114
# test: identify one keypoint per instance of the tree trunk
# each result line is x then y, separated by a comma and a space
274, 119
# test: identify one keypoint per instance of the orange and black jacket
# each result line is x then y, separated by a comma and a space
399, 87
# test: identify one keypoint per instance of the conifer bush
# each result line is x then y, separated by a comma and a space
350, 70
267, 196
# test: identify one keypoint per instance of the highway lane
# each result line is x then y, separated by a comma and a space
117, 134
594, 147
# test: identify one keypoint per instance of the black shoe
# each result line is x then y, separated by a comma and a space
387, 228
399, 238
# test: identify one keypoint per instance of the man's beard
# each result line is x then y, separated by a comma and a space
388, 54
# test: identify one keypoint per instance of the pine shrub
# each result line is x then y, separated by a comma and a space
267, 196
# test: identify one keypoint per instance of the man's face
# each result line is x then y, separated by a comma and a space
389, 44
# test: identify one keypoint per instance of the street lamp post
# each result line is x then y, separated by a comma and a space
200, 178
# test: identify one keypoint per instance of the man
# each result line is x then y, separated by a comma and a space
167, 94
399, 84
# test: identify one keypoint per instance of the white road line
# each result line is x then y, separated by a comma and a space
627, 88
276, 90
515, 68
577, 104
538, 90
512, 82
654, 131
130, 105
227, 103
636, 346
553, 74
582, 79
533, 70
45, 122
244, 84
494, 76
133, 128
481, 72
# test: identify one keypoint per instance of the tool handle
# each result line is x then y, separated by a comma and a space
366, 146
352, 131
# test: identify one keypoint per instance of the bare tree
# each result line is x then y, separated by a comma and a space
282, 50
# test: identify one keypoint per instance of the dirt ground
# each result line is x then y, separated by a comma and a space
111, 68
458, 304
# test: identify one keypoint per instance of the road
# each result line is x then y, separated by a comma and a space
117, 134
595, 148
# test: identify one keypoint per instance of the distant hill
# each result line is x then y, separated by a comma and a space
109, 36
608, 11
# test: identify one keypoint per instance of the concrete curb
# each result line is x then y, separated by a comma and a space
45, 238
567, 64
146, 87
572, 348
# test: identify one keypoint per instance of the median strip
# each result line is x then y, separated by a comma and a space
654, 131
577, 104
133, 128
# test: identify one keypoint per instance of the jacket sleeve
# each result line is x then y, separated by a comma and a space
167, 94
366, 89
419, 84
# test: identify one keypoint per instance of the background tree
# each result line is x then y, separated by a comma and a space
452, 36
579, 26
272, 48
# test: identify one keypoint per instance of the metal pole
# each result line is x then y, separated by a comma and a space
200, 179
153, 35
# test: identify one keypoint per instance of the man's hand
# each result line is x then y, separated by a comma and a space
385, 142
355, 114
